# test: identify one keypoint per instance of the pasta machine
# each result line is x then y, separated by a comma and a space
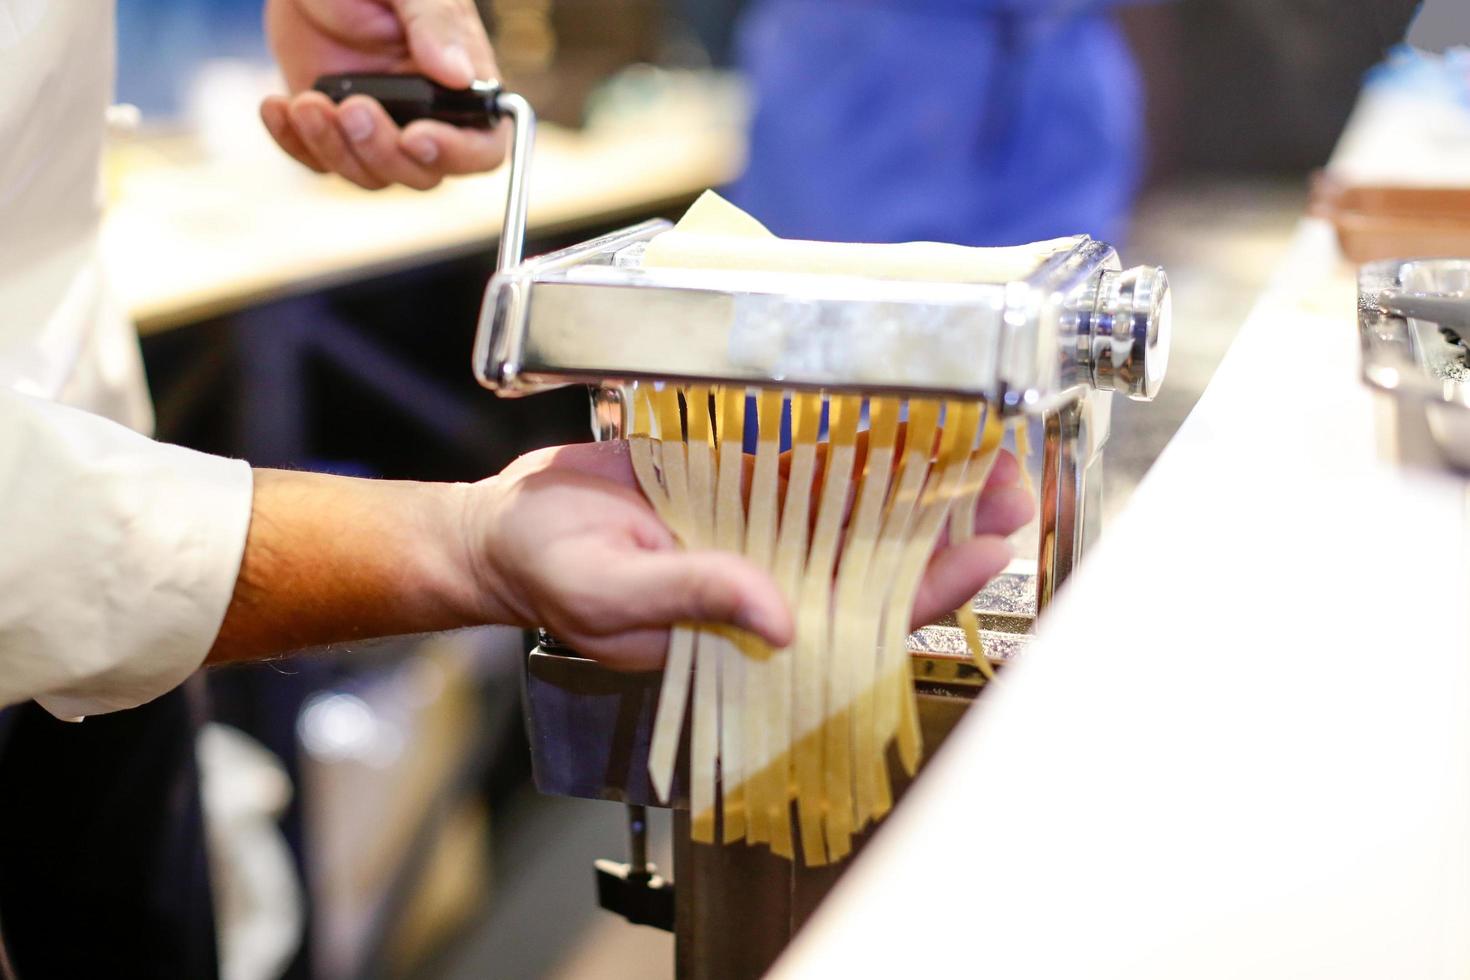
1413, 325
1052, 343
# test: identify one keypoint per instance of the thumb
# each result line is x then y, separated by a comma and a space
447, 41
666, 587
956, 573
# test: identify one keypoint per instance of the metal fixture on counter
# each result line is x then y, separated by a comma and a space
1413, 324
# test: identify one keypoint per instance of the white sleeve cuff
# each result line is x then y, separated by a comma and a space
120, 560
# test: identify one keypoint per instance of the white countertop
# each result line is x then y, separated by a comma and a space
1222, 757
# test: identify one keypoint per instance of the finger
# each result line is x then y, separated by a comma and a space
1005, 473
375, 142
634, 650
1004, 511
956, 573
447, 41
315, 120
453, 149
275, 116
663, 588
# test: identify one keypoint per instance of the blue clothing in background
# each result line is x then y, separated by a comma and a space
163, 43
983, 122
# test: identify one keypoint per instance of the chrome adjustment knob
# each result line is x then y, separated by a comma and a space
1125, 336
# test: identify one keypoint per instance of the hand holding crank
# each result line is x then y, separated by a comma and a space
442, 40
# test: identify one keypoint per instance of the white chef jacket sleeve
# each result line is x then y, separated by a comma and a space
118, 557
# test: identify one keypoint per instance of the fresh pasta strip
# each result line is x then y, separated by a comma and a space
704, 729
851, 669
1021, 434
788, 568
903, 519
962, 528
762, 524
908, 485
672, 461
961, 420
730, 537
760, 547
642, 420
677, 513
813, 620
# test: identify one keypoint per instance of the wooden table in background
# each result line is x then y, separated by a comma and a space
189, 236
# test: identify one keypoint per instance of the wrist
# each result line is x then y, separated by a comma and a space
480, 590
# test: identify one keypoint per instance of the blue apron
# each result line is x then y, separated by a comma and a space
982, 122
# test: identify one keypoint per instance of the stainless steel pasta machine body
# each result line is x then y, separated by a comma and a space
1053, 345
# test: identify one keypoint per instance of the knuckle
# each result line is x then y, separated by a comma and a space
573, 608
364, 181
372, 148
373, 160
710, 594
581, 617
325, 148
370, 155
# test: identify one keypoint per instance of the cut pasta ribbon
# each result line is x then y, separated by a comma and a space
790, 747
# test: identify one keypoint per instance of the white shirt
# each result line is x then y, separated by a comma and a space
118, 555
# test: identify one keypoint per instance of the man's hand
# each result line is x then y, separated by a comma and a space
563, 538
443, 39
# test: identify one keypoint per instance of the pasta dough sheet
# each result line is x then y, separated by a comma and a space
715, 234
